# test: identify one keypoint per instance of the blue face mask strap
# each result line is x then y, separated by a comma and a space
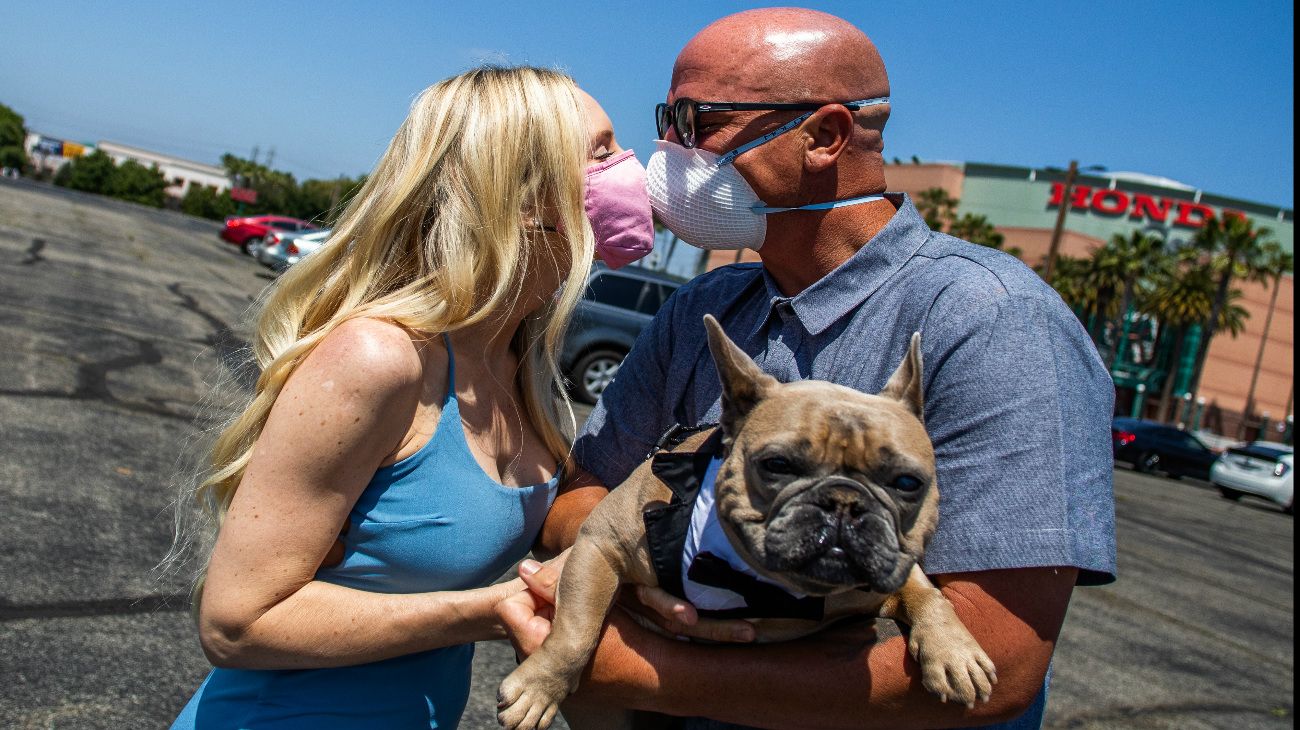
820, 206
765, 138
853, 105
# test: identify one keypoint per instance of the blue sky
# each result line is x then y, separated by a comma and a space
1199, 92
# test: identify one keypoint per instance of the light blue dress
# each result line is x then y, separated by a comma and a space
433, 521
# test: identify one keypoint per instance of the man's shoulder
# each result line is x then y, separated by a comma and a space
720, 284
960, 271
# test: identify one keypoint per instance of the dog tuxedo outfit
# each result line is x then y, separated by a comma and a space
692, 556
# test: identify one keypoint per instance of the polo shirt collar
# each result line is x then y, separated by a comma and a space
841, 291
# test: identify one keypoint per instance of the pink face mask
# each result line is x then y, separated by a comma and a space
619, 209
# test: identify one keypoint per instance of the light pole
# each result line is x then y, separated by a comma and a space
1139, 399
1055, 246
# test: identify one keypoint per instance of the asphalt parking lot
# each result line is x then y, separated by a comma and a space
114, 322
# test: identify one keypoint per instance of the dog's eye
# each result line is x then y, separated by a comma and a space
778, 465
906, 483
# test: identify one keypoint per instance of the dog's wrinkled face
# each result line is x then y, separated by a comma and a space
824, 488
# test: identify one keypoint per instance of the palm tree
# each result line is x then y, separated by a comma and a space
1107, 276
1130, 260
1181, 295
1277, 263
1231, 247
937, 207
1071, 282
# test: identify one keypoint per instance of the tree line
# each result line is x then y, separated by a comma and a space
13, 133
278, 192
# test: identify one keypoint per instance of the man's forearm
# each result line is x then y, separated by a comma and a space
578, 496
844, 677
829, 681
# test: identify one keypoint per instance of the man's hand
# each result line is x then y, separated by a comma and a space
679, 618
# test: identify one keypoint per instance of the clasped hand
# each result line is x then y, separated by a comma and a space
527, 615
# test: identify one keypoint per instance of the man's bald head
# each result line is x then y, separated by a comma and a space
793, 55
780, 55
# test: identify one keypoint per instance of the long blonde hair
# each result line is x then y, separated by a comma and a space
437, 240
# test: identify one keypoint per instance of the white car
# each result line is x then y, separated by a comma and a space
1262, 469
280, 250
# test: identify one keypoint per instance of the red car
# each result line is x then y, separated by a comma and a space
248, 231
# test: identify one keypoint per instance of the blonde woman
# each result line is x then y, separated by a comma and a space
404, 442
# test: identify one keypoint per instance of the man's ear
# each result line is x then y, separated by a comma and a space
904, 385
830, 129
743, 384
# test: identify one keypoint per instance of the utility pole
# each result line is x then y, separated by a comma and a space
1064, 208
1249, 410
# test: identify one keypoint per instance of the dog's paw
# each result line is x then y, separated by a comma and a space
953, 666
529, 700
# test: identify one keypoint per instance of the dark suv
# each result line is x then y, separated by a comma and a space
1151, 447
614, 310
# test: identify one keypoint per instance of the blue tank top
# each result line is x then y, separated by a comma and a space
434, 521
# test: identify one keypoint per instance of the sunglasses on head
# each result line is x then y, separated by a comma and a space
681, 114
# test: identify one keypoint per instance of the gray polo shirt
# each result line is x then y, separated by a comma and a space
1017, 402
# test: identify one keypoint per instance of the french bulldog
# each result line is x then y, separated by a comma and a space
822, 492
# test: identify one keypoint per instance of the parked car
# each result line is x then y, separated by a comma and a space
1152, 447
1261, 469
612, 313
280, 250
247, 232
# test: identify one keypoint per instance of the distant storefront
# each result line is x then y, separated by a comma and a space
1023, 204
51, 153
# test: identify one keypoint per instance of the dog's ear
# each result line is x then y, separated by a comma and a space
905, 384
743, 384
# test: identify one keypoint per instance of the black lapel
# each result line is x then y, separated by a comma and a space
763, 600
665, 527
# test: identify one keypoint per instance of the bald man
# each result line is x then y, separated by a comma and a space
786, 159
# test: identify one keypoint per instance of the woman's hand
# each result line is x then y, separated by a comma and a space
527, 615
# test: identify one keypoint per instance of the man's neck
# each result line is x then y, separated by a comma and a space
806, 246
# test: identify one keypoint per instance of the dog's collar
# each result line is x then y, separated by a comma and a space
683, 471
677, 434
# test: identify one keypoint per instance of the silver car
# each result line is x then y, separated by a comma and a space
280, 250
615, 308
1261, 469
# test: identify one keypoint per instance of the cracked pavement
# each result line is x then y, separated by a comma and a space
114, 319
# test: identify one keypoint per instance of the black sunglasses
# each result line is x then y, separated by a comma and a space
681, 114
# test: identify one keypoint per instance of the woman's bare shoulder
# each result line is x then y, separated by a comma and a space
373, 355
369, 364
